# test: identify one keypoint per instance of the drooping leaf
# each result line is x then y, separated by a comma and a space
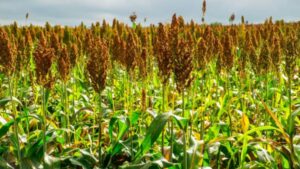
4, 129
6, 100
152, 134
245, 123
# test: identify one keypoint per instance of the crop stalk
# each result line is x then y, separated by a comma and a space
163, 111
290, 114
44, 126
16, 132
184, 136
100, 130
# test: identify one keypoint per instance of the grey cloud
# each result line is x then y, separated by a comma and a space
72, 12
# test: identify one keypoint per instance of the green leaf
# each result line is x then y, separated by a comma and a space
244, 150
193, 154
161, 163
52, 162
181, 122
4, 129
152, 133
123, 126
6, 100
291, 122
86, 160
134, 117
4, 164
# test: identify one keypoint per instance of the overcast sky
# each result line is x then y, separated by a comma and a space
72, 12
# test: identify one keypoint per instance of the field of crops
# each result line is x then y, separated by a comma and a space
173, 95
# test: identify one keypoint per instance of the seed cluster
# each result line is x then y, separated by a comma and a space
178, 48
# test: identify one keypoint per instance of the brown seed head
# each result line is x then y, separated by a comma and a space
64, 64
97, 65
203, 9
43, 57
55, 44
291, 53
264, 59
163, 53
74, 54
183, 66
133, 17
228, 52
276, 54
7, 54
132, 50
201, 54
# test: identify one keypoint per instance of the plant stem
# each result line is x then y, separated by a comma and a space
172, 129
163, 111
66, 108
290, 114
15, 122
129, 81
184, 136
44, 126
100, 130
228, 92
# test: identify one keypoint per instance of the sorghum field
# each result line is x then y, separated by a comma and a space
173, 95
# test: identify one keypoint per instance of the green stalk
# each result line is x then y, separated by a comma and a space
128, 100
202, 118
16, 133
267, 89
227, 92
74, 93
100, 130
193, 106
184, 136
66, 108
163, 111
44, 126
112, 86
290, 113
172, 130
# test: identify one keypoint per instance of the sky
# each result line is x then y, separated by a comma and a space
73, 12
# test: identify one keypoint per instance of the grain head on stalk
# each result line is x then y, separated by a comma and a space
55, 44
43, 57
228, 52
144, 100
28, 39
254, 59
133, 17
22, 56
88, 42
163, 53
203, 10
276, 54
201, 54
74, 54
183, 65
219, 54
264, 59
97, 65
7, 54
118, 48
173, 34
29, 46
291, 53
64, 64
142, 63
132, 51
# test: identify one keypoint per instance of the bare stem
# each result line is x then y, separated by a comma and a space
16, 132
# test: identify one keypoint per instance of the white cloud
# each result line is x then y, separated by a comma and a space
72, 12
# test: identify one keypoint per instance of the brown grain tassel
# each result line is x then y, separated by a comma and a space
97, 65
